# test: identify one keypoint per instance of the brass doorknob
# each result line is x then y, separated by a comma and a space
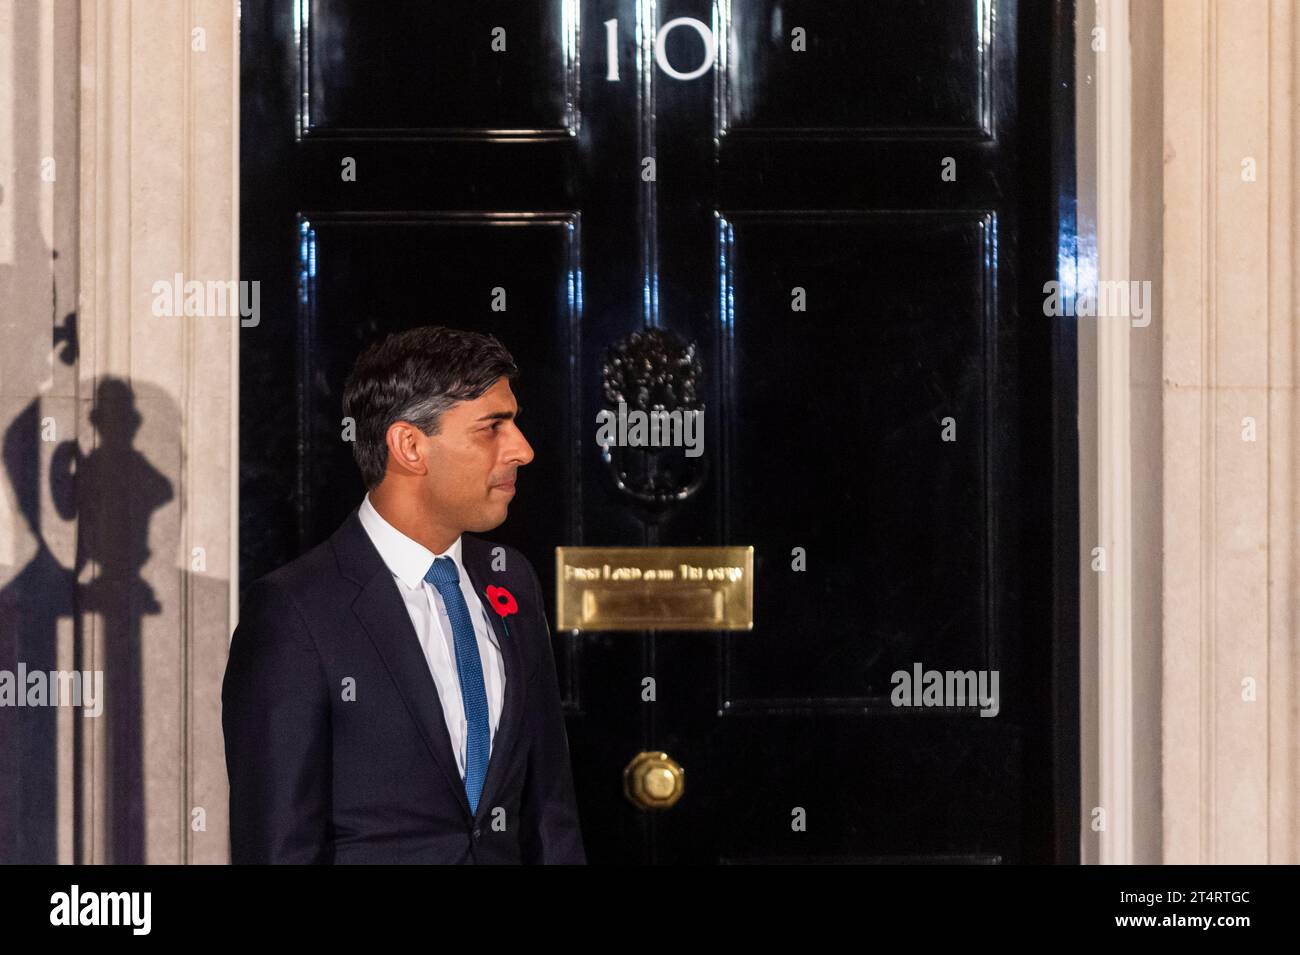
654, 780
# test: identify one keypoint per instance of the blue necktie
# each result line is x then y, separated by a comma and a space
444, 576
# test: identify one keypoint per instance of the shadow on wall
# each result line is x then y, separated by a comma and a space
95, 592
112, 493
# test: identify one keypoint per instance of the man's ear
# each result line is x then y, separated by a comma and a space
405, 449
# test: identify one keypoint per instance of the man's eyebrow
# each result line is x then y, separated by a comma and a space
501, 415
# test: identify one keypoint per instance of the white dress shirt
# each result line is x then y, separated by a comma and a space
410, 561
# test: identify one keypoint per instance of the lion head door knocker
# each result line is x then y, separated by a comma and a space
651, 432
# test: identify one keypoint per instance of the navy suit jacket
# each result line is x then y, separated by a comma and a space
336, 745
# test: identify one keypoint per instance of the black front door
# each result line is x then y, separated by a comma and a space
833, 221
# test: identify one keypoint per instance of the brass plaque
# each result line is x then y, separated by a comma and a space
654, 588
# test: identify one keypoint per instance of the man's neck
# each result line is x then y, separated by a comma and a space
407, 516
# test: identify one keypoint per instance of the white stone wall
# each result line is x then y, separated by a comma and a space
138, 112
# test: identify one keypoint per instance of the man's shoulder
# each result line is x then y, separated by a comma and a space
301, 581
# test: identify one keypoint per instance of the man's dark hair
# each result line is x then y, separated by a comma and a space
415, 376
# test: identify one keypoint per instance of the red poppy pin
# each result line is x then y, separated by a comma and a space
502, 600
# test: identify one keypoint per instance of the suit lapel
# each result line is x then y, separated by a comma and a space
383, 616
386, 622
474, 556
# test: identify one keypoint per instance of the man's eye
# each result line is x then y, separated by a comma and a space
496, 425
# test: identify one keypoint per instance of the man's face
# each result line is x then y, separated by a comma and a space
473, 460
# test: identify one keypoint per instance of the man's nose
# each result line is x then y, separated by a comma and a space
523, 451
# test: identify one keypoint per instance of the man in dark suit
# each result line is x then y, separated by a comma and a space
391, 695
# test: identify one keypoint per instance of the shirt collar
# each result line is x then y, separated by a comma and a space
408, 559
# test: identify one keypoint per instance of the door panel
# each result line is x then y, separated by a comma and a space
902, 574
368, 275
422, 70
889, 68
